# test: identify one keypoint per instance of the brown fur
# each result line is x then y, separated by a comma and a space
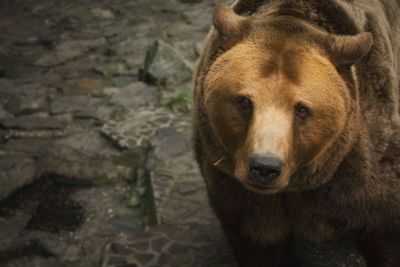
341, 174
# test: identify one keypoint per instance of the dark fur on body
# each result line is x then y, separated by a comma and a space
361, 198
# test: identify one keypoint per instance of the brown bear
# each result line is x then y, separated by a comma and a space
296, 126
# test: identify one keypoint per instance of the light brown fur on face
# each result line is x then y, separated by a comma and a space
276, 77
263, 62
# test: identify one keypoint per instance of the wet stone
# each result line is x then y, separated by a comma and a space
18, 169
167, 143
132, 51
78, 104
120, 249
180, 234
164, 259
123, 224
28, 145
4, 114
123, 80
69, 50
168, 64
190, 187
6, 86
16, 66
134, 95
176, 249
29, 90
112, 69
26, 105
158, 244
90, 142
49, 78
124, 130
33, 123
102, 13
126, 265
182, 260
144, 258
88, 85
116, 260
140, 246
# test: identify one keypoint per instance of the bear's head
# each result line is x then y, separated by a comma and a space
281, 100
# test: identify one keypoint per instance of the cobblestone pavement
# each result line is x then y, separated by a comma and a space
96, 166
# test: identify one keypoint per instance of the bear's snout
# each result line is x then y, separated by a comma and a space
264, 170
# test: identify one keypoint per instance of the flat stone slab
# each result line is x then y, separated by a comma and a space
88, 155
171, 245
15, 172
133, 95
168, 64
33, 123
134, 128
69, 50
79, 105
167, 143
28, 146
6, 86
23, 105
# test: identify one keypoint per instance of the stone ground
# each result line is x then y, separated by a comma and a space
96, 167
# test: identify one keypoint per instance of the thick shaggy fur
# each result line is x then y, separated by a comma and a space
352, 188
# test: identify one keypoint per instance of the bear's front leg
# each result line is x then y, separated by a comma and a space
252, 253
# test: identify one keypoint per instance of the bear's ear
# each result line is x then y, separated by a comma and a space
348, 50
229, 25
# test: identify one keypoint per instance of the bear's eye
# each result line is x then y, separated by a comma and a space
245, 104
302, 112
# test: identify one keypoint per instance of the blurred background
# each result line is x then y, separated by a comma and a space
96, 167
95, 100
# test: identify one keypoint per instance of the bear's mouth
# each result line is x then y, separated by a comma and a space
262, 189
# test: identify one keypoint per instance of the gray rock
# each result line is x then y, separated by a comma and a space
33, 123
65, 251
91, 142
190, 187
168, 143
135, 127
102, 13
24, 105
168, 64
30, 146
87, 155
4, 114
6, 86
15, 172
70, 162
69, 50
132, 96
134, 46
50, 78
81, 105
132, 51
29, 89
113, 69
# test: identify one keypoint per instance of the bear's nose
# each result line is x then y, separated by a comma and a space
264, 169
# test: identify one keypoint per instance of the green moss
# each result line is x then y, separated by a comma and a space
179, 102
